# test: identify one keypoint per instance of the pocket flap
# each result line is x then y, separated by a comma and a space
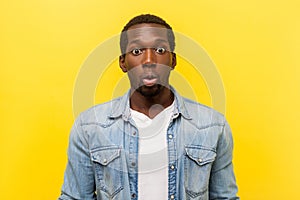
200, 155
105, 156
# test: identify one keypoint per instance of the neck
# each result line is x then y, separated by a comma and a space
151, 106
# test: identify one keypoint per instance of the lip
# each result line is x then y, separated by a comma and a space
149, 81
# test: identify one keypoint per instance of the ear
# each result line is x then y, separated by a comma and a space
122, 63
174, 60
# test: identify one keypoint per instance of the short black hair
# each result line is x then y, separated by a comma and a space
149, 19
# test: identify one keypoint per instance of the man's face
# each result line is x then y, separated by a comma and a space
148, 59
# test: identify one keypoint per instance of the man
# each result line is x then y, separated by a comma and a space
151, 143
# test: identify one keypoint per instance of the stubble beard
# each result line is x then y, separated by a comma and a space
150, 91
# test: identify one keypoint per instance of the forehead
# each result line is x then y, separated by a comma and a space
147, 32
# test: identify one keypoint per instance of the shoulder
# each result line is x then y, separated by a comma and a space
203, 115
197, 113
100, 112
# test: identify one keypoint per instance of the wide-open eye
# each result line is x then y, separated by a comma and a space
160, 50
136, 51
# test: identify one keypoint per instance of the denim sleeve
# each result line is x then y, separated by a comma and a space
79, 181
222, 182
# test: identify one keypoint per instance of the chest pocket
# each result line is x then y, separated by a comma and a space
108, 170
197, 166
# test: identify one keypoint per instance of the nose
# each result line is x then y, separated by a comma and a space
149, 56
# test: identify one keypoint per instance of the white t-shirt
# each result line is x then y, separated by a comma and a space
153, 154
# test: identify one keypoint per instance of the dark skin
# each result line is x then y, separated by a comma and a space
148, 62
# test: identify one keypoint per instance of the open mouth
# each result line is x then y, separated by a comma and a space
149, 80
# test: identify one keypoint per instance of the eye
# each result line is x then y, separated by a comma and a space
160, 50
136, 51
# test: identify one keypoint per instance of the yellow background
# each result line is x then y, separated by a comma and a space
255, 45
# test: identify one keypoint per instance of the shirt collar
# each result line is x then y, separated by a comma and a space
121, 106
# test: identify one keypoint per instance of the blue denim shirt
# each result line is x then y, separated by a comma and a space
103, 153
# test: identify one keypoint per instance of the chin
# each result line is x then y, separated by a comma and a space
150, 91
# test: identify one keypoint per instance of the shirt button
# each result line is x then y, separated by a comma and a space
172, 167
133, 195
133, 163
104, 161
200, 160
134, 133
170, 136
172, 197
